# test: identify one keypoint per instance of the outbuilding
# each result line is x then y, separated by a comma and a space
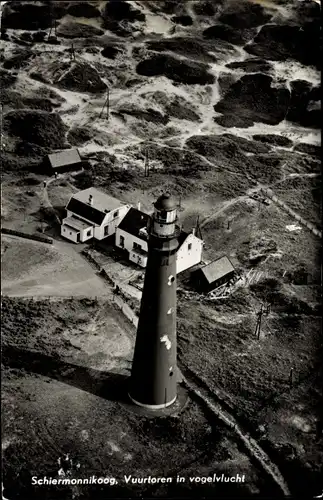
213, 275
63, 161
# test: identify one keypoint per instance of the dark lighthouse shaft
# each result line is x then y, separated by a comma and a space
153, 382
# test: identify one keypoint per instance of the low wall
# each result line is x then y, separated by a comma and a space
42, 239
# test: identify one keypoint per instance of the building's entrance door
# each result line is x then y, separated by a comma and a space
78, 238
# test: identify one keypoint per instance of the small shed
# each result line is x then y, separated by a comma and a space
213, 275
63, 161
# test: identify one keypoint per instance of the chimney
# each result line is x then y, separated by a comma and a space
90, 200
193, 231
139, 205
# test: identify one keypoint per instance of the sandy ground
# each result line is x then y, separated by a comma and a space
32, 268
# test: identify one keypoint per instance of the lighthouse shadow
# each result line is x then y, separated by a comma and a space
110, 386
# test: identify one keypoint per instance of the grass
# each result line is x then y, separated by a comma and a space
89, 428
308, 203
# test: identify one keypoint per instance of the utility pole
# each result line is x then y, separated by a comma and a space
263, 310
258, 325
106, 105
146, 163
291, 377
72, 53
1, 127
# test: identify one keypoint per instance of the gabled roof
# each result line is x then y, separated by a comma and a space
86, 211
62, 158
135, 220
102, 203
217, 269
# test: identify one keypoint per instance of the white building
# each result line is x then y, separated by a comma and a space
92, 214
131, 235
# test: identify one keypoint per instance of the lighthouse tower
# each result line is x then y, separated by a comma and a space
153, 382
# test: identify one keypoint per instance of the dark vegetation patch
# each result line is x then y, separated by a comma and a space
310, 149
231, 121
283, 42
13, 164
244, 15
189, 72
304, 195
11, 99
254, 65
252, 97
226, 152
38, 77
204, 8
229, 34
299, 274
180, 111
149, 115
273, 139
111, 51
78, 30
82, 77
188, 47
118, 17
301, 96
294, 162
83, 9
174, 105
272, 291
19, 59
39, 127
31, 150
225, 81
26, 16
183, 20
247, 145
28, 181
77, 136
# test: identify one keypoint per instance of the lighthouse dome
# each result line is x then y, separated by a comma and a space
165, 202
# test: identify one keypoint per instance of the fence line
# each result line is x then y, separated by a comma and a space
269, 193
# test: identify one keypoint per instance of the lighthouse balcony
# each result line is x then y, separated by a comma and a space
175, 234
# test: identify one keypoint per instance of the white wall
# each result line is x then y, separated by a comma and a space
129, 240
188, 258
184, 260
84, 236
111, 222
140, 260
69, 233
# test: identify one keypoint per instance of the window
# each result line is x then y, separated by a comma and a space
121, 242
106, 230
89, 232
136, 246
171, 280
162, 215
116, 213
70, 232
64, 229
189, 247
